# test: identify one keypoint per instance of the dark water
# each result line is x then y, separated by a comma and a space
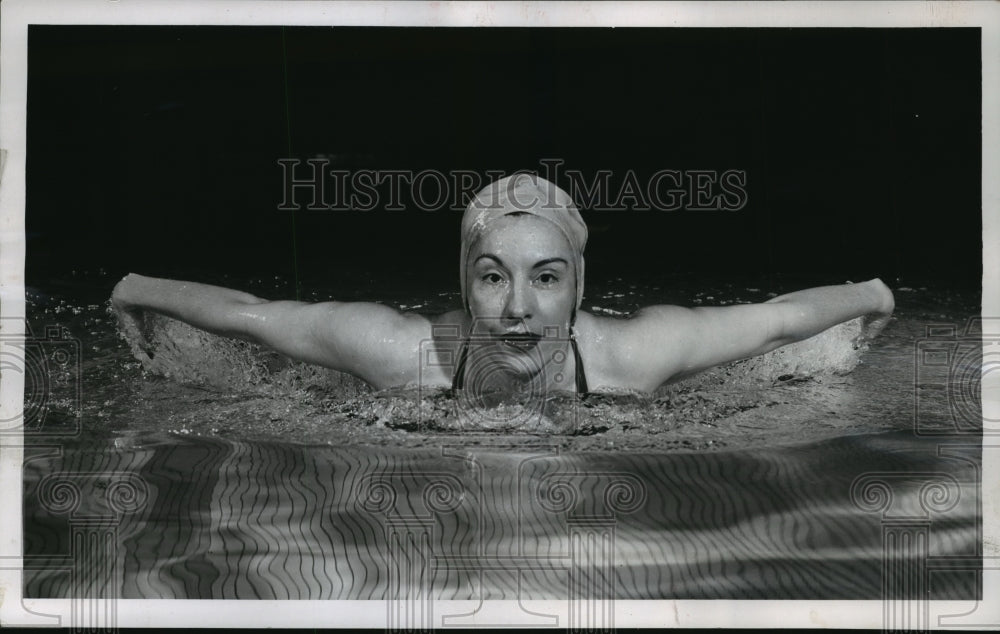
221, 471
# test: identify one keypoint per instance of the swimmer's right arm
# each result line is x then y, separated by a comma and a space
363, 339
207, 307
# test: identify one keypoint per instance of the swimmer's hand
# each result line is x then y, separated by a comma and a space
132, 323
873, 323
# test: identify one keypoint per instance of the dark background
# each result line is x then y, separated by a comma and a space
154, 149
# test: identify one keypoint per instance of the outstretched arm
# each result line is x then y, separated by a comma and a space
218, 310
359, 338
813, 310
665, 342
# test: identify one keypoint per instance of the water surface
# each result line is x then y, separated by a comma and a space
258, 478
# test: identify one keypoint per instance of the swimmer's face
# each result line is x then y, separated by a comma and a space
521, 279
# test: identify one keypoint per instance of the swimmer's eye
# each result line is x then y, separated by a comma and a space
546, 279
493, 278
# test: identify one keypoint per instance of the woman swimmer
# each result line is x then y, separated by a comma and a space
522, 287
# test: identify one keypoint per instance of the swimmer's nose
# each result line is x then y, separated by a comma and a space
518, 304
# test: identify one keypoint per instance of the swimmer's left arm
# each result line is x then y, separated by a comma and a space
666, 342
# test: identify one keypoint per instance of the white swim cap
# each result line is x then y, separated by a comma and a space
530, 194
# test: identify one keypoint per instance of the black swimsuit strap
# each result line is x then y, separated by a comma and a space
581, 377
458, 379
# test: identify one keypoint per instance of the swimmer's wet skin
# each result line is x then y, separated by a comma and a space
522, 278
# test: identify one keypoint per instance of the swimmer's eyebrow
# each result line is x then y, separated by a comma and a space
489, 256
537, 265
542, 263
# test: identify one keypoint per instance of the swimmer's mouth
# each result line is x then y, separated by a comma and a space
520, 341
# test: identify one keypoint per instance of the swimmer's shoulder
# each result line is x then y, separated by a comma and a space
599, 340
615, 349
378, 343
452, 318
425, 350
410, 328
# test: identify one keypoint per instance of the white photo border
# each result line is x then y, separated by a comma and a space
15, 610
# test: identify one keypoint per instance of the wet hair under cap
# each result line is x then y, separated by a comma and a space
528, 194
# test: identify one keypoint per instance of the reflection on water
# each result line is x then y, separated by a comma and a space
244, 476
227, 519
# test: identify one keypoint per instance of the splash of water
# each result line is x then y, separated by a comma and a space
835, 351
188, 356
